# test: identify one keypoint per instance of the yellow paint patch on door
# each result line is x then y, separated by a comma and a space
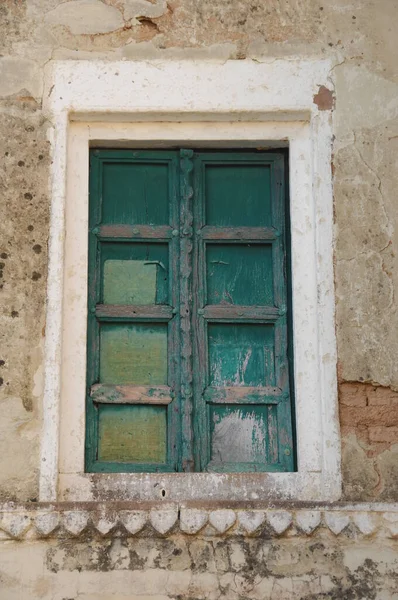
135, 354
129, 282
132, 433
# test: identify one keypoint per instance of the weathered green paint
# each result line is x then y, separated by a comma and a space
239, 274
237, 194
129, 282
132, 433
136, 192
132, 329
239, 267
133, 354
188, 298
238, 354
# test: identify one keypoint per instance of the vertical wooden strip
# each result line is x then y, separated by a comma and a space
95, 188
289, 295
186, 246
174, 408
272, 435
285, 433
199, 321
279, 268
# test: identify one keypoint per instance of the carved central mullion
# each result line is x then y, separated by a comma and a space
186, 248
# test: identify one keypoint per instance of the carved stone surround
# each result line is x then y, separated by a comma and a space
124, 519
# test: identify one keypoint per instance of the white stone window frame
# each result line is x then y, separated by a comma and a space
242, 104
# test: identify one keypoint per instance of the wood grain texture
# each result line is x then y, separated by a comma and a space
131, 394
243, 395
225, 312
186, 247
150, 312
134, 232
236, 234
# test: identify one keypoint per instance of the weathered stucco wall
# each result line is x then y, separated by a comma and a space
360, 37
126, 552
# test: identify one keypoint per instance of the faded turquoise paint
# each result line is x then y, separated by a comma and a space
236, 194
228, 376
239, 354
241, 196
135, 192
239, 274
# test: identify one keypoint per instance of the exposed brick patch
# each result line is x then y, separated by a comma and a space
371, 412
388, 435
383, 416
353, 395
382, 396
324, 99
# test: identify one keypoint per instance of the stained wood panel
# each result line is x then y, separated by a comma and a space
244, 434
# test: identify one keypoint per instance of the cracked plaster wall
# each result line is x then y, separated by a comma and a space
119, 552
199, 569
360, 37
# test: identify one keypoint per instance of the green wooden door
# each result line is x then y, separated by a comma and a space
187, 315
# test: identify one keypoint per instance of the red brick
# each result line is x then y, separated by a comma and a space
384, 434
381, 396
352, 394
369, 415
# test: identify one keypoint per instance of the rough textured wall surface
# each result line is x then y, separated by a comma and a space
205, 569
165, 553
360, 37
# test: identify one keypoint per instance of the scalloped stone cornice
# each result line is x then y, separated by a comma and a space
124, 519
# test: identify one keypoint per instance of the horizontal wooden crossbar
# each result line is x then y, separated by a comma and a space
130, 394
122, 312
135, 232
244, 395
266, 234
222, 312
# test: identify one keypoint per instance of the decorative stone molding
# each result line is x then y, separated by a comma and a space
76, 520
